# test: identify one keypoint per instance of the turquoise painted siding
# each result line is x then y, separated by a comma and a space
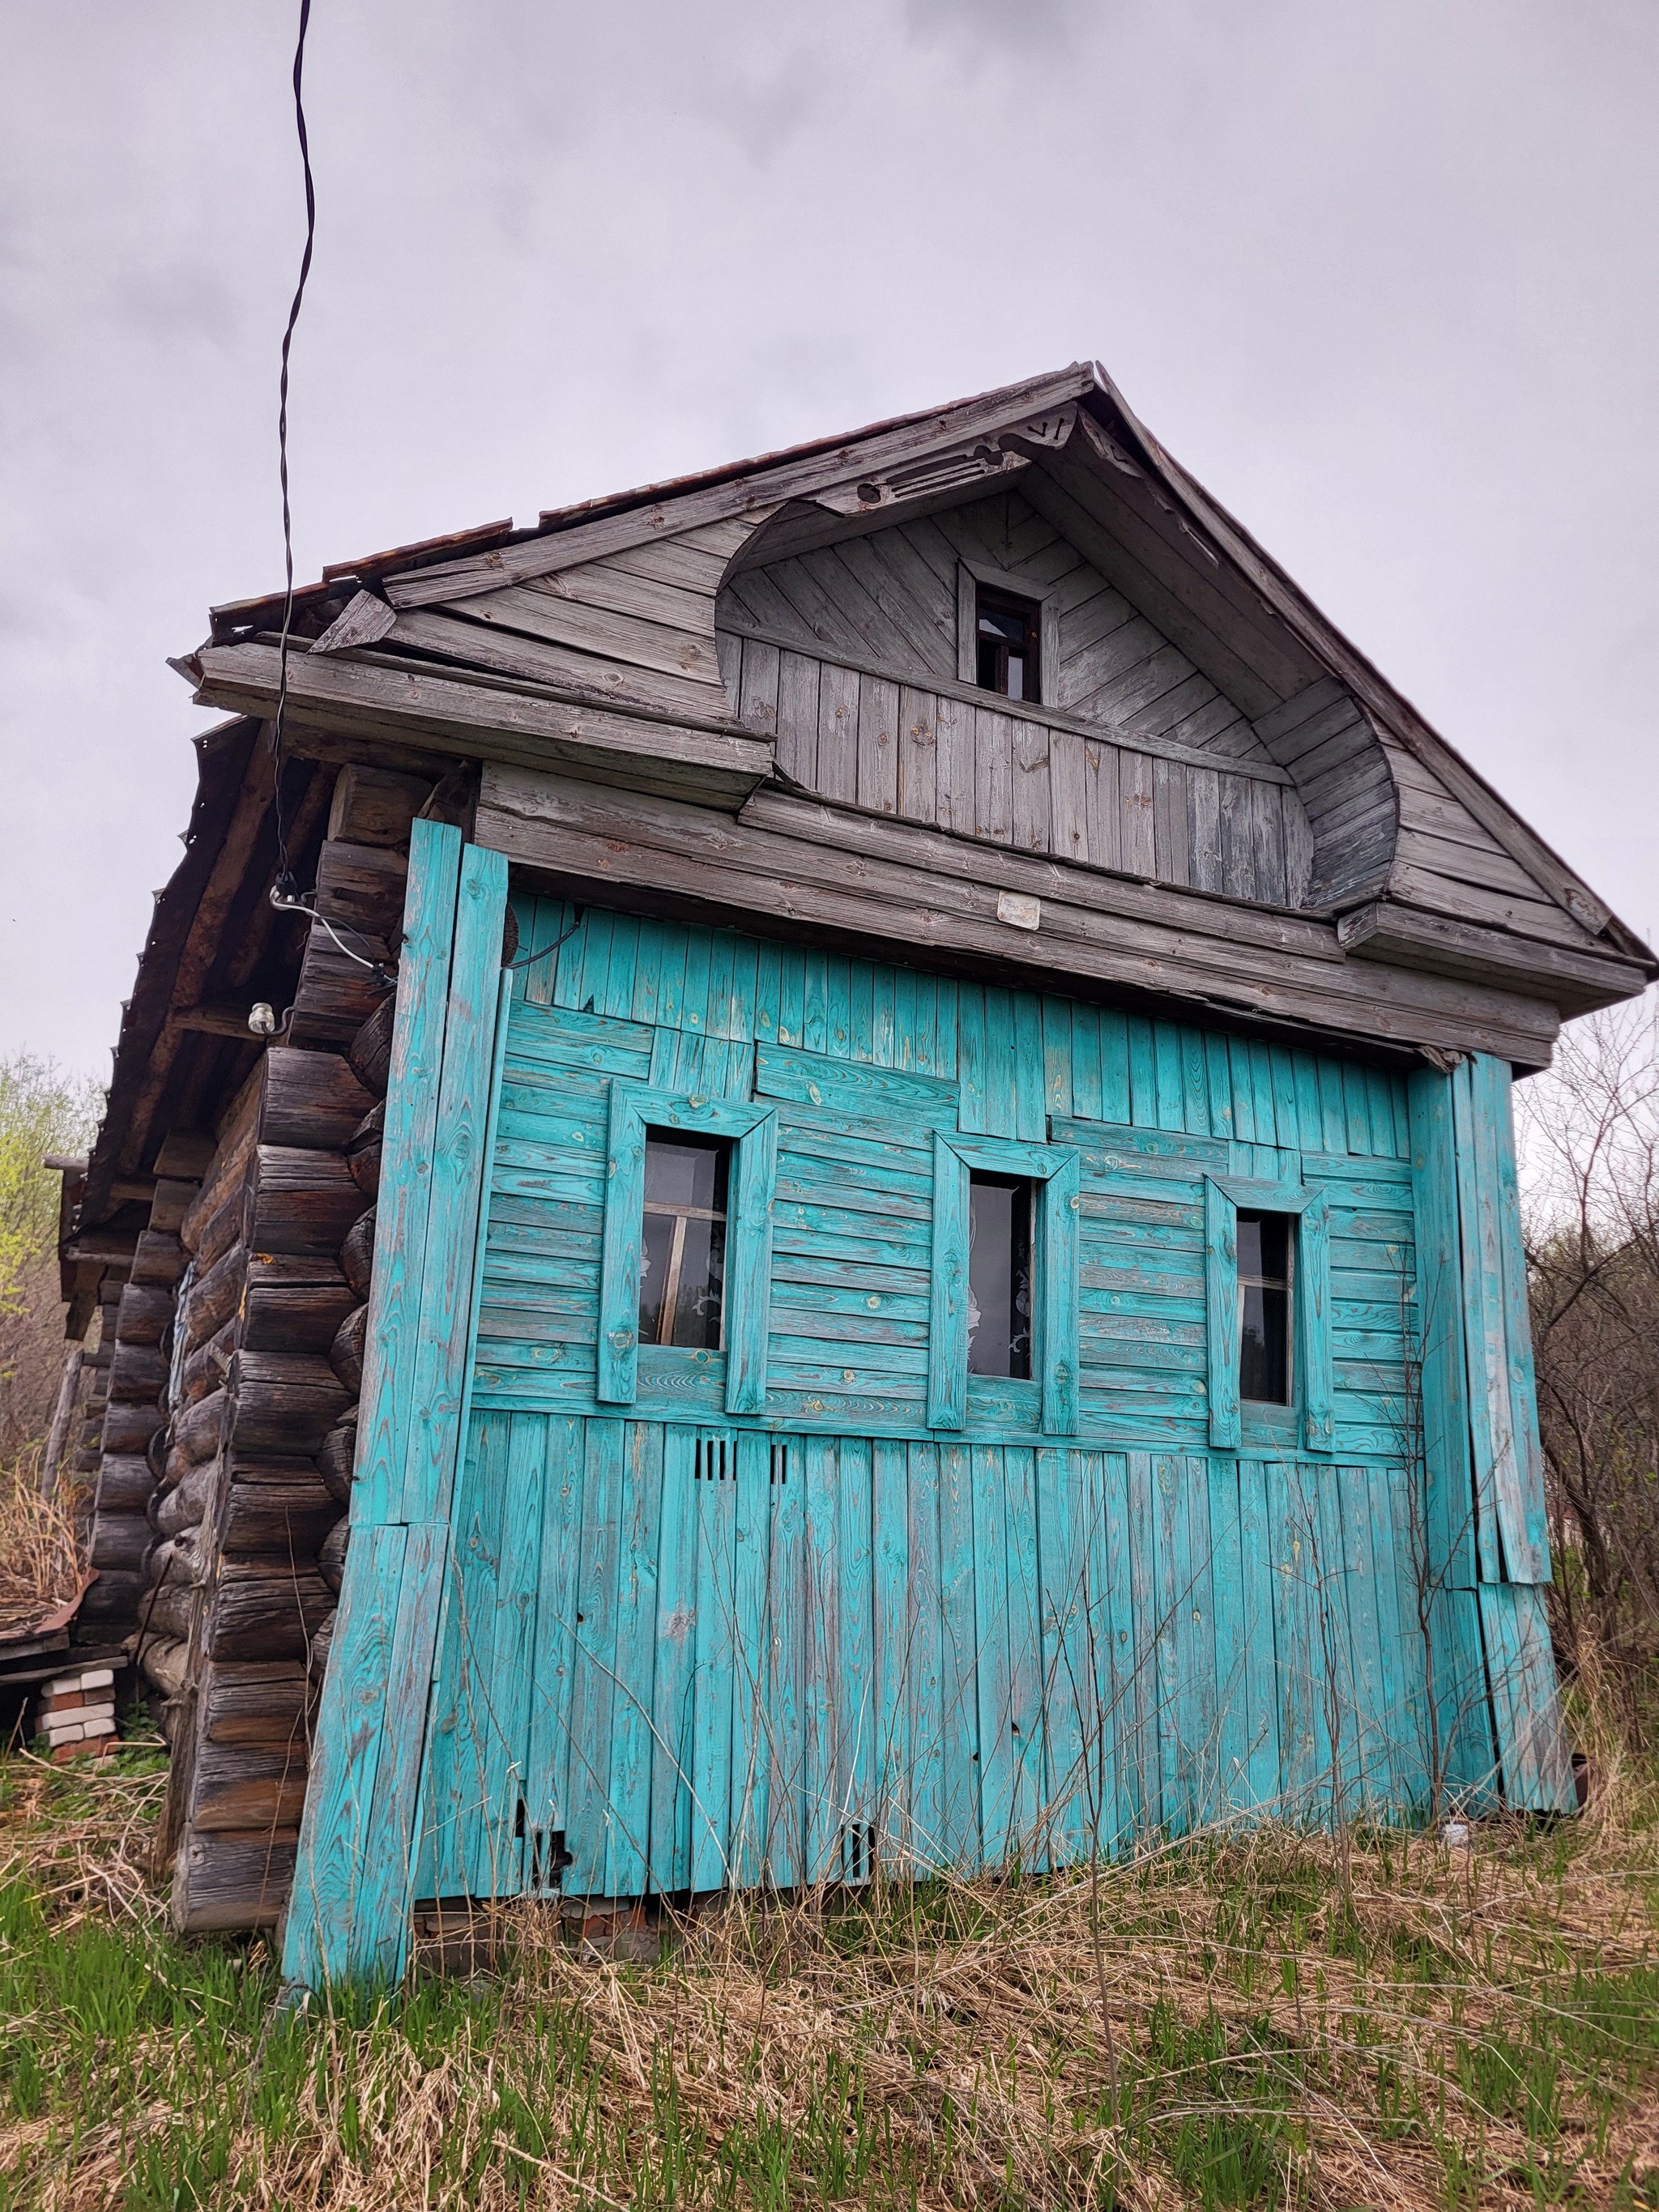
688, 1648
771, 1625
762, 1657
695, 1011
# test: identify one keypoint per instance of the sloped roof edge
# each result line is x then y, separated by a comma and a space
471, 561
1522, 843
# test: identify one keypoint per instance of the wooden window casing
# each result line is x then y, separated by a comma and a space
1007, 644
1312, 1380
1054, 1172
752, 1132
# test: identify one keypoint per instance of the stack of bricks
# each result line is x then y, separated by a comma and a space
77, 1713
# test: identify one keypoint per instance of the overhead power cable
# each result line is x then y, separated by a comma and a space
285, 886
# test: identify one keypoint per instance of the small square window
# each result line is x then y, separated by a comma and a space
683, 1250
1000, 1276
1006, 632
1267, 1263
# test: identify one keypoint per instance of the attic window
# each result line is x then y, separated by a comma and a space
1005, 632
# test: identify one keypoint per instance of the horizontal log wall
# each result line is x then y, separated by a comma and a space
133, 1369
249, 1523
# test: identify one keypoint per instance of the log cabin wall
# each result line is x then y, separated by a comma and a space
264, 1364
138, 1332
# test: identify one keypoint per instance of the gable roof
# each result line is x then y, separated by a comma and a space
1102, 477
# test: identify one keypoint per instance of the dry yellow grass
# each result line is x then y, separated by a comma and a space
41, 1561
1393, 2024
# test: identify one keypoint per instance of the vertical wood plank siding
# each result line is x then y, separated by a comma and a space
1199, 1627
1174, 783
683, 1647
360, 1837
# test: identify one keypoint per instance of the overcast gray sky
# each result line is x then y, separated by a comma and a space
1382, 276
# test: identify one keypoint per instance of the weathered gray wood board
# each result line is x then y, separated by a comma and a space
791, 863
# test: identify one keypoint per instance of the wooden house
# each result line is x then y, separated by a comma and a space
822, 1177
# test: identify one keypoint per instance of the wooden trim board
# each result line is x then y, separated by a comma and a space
1090, 932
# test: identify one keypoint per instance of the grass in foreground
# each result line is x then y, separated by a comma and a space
1449, 2029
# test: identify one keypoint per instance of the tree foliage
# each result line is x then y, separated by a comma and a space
42, 1111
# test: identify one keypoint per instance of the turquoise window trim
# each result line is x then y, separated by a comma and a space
1314, 1388
1056, 1169
754, 1132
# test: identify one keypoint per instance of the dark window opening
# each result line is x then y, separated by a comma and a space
1266, 1261
1000, 1276
683, 1250
1006, 644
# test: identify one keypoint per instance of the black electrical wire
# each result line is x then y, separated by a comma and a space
285, 882
547, 951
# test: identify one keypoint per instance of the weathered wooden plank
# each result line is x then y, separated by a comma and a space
924, 1660
787, 1595
1221, 1285
592, 1693
714, 1505
853, 1088
1532, 1749
837, 761
546, 1789
997, 1741
1485, 1344
758, 691
1031, 811
953, 765
674, 1680
797, 718
632, 1748
878, 775
959, 1838
442, 709
758, 1461
917, 789
441, 1346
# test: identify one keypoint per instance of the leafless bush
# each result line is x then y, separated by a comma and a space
1589, 1142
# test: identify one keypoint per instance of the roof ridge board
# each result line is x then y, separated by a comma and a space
747, 489
1553, 875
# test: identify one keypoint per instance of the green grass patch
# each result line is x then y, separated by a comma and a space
1280, 2029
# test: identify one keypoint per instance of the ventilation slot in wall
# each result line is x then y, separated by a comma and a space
858, 1850
715, 1460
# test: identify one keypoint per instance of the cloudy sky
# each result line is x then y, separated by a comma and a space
1382, 276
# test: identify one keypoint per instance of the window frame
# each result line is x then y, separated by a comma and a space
1056, 1171
1017, 607
752, 1130
1312, 1405
1285, 1284
971, 575
682, 1215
